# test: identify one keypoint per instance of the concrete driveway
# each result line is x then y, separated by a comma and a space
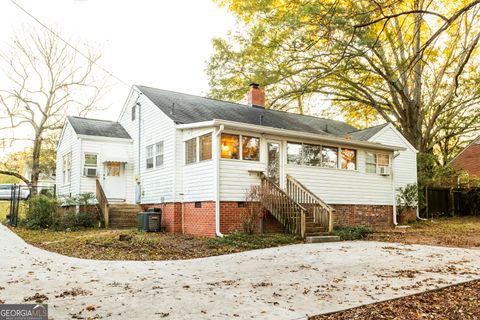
279, 283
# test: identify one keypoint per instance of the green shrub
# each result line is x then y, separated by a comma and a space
41, 212
85, 219
352, 232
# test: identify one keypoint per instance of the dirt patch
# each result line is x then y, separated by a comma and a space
459, 302
37, 297
450, 232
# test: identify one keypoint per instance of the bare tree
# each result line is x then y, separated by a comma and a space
48, 80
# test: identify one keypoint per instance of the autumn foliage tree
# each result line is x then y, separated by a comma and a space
412, 63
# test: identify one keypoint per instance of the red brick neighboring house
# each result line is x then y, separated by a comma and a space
469, 159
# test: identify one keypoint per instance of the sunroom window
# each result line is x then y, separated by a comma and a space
294, 153
370, 162
229, 146
250, 148
383, 159
206, 147
312, 155
349, 159
191, 151
329, 157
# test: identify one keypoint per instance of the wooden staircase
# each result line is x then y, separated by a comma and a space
299, 210
116, 215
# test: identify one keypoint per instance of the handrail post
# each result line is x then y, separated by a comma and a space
303, 224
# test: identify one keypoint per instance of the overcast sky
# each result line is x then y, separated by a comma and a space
162, 44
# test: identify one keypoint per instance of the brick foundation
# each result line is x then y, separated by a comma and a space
366, 215
201, 221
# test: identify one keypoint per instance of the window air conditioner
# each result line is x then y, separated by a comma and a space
90, 172
384, 170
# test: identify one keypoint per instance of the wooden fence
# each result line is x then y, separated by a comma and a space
442, 201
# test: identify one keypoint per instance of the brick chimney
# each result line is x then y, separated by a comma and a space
256, 96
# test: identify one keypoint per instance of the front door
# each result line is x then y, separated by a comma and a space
114, 180
273, 161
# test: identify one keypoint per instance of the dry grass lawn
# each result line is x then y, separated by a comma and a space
102, 244
461, 232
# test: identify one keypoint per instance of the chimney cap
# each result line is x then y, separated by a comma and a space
254, 85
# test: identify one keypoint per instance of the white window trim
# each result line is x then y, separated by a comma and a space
67, 156
152, 157
185, 151
155, 154
240, 148
84, 165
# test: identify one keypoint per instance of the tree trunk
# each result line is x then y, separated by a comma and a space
37, 147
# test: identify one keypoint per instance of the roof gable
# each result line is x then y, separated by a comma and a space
98, 128
184, 108
366, 134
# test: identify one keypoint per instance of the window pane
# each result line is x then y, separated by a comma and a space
349, 159
191, 151
90, 160
294, 153
159, 160
206, 147
383, 159
159, 148
250, 148
150, 151
229, 146
113, 169
370, 158
149, 163
371, 168
329, 157
311, 155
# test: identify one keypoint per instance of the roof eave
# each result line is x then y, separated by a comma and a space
289, 133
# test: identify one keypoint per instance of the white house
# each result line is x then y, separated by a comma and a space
196, 157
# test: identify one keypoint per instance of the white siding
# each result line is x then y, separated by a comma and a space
69, 143
405, 164
157, 183
107, 150
196, 181
335, 186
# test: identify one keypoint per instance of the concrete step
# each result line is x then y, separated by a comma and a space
321, 239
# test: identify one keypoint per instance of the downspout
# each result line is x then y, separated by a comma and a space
217, 180
81, 158
139, 163
394, 200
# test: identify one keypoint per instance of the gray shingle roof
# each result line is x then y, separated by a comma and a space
367, 133
189, 109
100, 128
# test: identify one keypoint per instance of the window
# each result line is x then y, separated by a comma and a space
159, 154
149, 159
329, 157
370, 162
349, 159
191, 151
383, 159
198, 204
67, 168
229, 146
113, 169
250, 148
241, 204
206, 147
312, 155
294, 153
90, 160
134, 109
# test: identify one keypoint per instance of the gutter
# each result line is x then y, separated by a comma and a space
289, 133
217, 180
